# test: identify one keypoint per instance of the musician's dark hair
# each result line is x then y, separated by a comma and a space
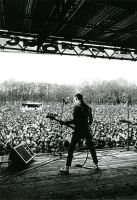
79, 96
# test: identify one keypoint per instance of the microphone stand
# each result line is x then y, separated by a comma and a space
128, 128
62, 110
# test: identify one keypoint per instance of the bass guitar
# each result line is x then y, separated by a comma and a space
52, 116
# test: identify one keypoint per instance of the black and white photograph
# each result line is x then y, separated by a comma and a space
68, 99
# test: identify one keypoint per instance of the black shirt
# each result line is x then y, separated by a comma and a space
82, 118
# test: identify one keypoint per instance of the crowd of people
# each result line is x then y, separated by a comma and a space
43, 135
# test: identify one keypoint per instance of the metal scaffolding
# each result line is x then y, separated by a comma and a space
18, 43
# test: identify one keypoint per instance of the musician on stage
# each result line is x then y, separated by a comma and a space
82, 119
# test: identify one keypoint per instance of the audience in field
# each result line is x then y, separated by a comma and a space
43, 135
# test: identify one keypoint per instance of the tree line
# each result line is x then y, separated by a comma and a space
101, 92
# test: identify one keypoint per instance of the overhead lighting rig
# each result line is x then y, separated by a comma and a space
62, 46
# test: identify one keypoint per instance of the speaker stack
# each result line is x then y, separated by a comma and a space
19, 157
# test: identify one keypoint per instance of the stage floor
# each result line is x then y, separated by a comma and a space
41, 180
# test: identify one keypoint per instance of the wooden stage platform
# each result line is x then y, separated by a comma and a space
41, 180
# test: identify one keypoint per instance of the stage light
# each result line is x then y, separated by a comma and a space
95, 50
124, 51
50, 48
13, 41
83, 47
67, 46
29, 43
101, 49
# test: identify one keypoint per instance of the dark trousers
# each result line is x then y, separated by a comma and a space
90, 145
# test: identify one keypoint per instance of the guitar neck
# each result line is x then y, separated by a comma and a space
65, 124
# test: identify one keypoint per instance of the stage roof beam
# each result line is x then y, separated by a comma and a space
43, 23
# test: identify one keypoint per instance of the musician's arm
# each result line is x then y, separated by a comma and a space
69, 122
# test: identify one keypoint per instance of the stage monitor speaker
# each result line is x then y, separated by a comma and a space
20, 156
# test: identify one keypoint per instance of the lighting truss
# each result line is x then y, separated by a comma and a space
11, 42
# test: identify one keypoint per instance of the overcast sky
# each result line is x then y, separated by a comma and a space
63, 69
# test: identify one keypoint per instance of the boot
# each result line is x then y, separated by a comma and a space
96, 166
65, 170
